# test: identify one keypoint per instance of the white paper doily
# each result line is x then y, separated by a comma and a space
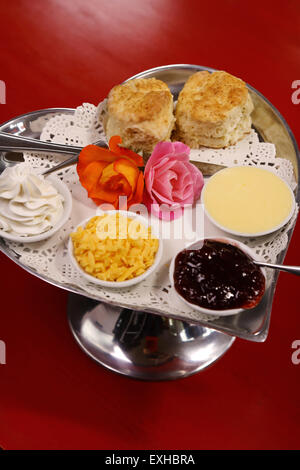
50, 258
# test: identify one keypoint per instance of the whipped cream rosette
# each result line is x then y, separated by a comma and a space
29, 204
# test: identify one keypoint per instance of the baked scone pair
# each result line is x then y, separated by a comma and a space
213, 110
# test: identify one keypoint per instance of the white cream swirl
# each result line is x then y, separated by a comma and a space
29, 204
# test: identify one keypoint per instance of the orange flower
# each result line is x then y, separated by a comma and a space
107, 174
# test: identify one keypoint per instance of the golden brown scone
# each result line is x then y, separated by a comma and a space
213, 110
141, 112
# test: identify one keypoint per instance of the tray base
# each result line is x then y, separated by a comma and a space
141, 345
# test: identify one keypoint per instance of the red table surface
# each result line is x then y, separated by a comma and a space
57, 53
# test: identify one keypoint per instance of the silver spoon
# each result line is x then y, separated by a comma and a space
16, 143
60, 166
288, 269
13, 143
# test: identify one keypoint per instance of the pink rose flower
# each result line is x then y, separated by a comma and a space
171, 180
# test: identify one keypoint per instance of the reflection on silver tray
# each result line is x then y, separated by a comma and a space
141, 345
270, 126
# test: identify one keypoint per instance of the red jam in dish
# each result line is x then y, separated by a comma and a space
218, 276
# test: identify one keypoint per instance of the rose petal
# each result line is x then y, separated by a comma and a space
198, 180
114, 145
173, 183
183, 185
161, 163
167, 149
100, 192
155, 209
90, 175
163, 186
165, 161
138, 196
93, 153
160, 150
149, 178
180, 147
129, 170
111, 182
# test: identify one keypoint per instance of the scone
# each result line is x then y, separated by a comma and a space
141, 112
213, 110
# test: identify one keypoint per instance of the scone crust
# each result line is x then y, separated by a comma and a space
210, 96
141, 112
213, 110
139, 100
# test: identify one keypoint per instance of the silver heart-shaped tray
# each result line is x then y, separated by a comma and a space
270, 126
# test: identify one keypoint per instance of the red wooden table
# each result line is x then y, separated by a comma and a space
63, 53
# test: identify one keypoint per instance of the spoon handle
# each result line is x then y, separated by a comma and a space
59, 166
288, 269
14, 143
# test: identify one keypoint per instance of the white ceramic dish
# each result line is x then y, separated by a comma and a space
63, 189
130, 282
198, 243
244, 234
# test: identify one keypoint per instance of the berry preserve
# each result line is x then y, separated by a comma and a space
218, 276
